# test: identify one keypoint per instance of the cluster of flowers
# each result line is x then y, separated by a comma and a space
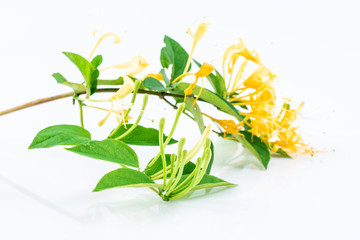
249, 85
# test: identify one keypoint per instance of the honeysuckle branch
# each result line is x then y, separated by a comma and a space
71, 94
39, 101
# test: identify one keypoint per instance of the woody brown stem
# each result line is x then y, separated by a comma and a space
70, 94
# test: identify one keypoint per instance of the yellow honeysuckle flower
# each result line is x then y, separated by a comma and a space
204, 71
106, 35
259, 77
156, 76
119, 114
136, 64
126, 89
196, 37
228, 125
199, 33
280, 131
277, 128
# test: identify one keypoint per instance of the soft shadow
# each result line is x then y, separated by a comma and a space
145, 207
40, 199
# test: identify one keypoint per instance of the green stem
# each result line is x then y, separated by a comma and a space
189, 58
193, 174
81, 113
118, 81
179, 175
197, 177
145, 100
162, 148
71, 94
178, 113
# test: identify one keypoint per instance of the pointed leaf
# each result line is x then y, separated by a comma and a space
173, 54
166, 79
108, 150
60, 135
59, 78
85, 68
282, 153
259, 148
96, 61
94, 81
212, 98
208, 170
124, 177
194, 109
209, 181
140, 136
154, 84
78, 88
157, 165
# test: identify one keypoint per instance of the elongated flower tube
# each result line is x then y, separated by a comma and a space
199, 144
197, 36
190, 154
121, 114
136, 65
125, 90
204, 71
177, 189
106, 35
228, 125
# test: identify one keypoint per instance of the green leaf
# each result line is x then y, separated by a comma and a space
208, 170
75, 86
173, 54
283, 153
189, 167
166, 79
154, 84
194, 109
94, 81
140, 136
96, 61
124, 177
259, 148
216, 81
209, 181
85, 68
157, 166
108, 150
59, 78
60, 135
212, 98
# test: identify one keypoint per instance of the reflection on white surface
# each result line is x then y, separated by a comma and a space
309, 193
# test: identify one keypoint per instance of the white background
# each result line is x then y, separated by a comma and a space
312, 45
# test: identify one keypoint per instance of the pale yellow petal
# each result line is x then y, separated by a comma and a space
205, 70
125, 90
109, 34
200, 32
